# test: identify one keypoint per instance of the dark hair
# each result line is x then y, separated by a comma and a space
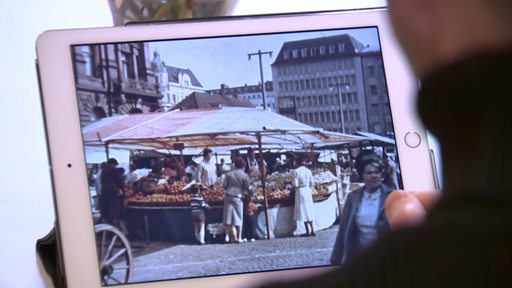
366, 157
194, 189
239, 163
112, 161
302, 159
207, 151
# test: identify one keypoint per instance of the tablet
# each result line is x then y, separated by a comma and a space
327, 84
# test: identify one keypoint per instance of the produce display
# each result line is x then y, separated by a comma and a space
278, 187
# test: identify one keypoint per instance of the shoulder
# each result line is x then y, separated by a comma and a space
355, 193
386, 189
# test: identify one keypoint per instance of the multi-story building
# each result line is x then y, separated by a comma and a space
334, 83
252, 93
174, 83
114, 79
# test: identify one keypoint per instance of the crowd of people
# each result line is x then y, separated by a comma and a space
362, 220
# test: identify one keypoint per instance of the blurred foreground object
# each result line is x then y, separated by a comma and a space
409, 208
125, 11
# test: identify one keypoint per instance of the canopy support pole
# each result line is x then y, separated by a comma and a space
106, 151
263, 183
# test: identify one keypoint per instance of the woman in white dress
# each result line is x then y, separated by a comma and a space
303, 184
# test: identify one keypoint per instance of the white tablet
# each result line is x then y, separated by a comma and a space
334, 83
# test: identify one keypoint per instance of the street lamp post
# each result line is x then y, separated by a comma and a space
340, 99
263, 92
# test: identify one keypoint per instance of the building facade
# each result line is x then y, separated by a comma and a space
114, 79
174, 83
334, 83
253, 93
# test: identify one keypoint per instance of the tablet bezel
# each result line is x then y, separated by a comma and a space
64, 138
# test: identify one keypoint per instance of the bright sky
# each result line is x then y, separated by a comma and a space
225, 60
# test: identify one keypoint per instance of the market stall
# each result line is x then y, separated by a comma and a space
164, 212
228, 127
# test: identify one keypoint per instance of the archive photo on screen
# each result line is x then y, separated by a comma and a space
236, 154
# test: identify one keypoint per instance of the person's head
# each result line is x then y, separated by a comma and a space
239, 163
369, 168
112, 162
194, 189
302, 160
120, 171
372, 176
167, 163
207, 153
250, 153
434, 33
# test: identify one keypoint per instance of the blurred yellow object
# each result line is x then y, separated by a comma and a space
125, 11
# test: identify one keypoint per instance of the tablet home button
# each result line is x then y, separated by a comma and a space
412, 139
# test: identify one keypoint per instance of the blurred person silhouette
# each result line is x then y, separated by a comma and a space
462, 52
112, 187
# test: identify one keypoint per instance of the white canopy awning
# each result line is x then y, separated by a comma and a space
199, 128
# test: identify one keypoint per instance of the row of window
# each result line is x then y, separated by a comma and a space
129, 59
321, 117
341, 64
323, 100
314, 51
328, 82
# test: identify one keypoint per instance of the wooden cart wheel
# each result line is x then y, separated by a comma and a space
114, 254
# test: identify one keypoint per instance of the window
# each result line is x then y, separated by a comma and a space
304, 52
322, 50
89, 60
341, 47
312, 51
373, 90
295, 53
375, 109
286, 54
371, 71
126, 65
377, 128
331, 49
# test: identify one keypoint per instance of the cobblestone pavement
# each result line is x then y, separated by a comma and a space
158, 260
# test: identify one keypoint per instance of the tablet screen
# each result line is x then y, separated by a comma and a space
131, 95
